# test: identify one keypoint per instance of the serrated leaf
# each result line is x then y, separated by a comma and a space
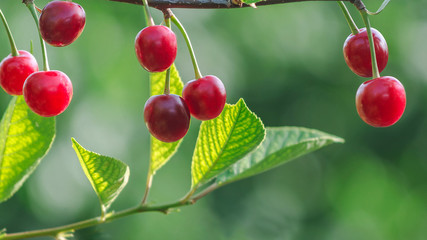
107, 175
281, 145
161, 152
224, 140
25, 138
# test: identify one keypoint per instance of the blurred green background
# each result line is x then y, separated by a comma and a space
286, 62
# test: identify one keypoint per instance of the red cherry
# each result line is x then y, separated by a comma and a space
155, 48
48, 93
381, 102
62, 22
14, 71
358, 56
167, 117
205, 97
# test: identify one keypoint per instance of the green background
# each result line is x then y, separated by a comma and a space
286, 62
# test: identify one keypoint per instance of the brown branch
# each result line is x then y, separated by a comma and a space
209, 4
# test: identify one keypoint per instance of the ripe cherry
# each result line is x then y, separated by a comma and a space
62, 22
381, 102
14, 71
156, 48
48, 93
167, 117
205, 97
358, 56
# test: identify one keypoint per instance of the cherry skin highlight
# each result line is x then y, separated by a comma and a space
381, 102
357, 54
48, 93
156, 48
62, 22
205, 97
14, 71
167, 117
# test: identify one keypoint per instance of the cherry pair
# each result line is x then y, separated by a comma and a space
168, 116
380, 102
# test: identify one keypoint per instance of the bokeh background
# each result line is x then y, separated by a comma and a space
286, 62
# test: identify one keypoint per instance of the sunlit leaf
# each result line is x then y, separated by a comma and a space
281, 145
107, 175
25, 138
224, 140
161, 152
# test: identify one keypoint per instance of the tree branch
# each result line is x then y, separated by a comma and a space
211, 4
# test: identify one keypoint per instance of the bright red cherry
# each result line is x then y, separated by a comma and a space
167, 117
48, 93
205, 97
381, 102
14, 71
155, 48
62, 22
358, 56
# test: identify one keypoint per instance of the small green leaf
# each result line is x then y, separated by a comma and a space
161, 152
107, 175
224, 140
281, 145
25, 138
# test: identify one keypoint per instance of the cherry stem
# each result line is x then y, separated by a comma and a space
375, 71
168, 72
348, 18
32, 8
181, 28
9, 35
149, 20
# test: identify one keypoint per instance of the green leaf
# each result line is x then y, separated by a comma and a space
161, 152
25, 138
107, 175
281, 145
224, 140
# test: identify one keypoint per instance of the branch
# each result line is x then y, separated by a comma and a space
55, 231
211, 4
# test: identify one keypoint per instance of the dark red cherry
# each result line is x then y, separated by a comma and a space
62, 22
167, 117
48, 93
381, 102
205, 97
155, 48
14, 71
358, 56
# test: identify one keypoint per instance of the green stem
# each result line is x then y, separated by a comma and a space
147, 187
149, 20
348, 18
375, 71
52, 232
168, 72
190, 47
9, 35
32, 8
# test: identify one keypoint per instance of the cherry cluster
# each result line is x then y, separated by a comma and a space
380, 102
167, 116
49, 92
